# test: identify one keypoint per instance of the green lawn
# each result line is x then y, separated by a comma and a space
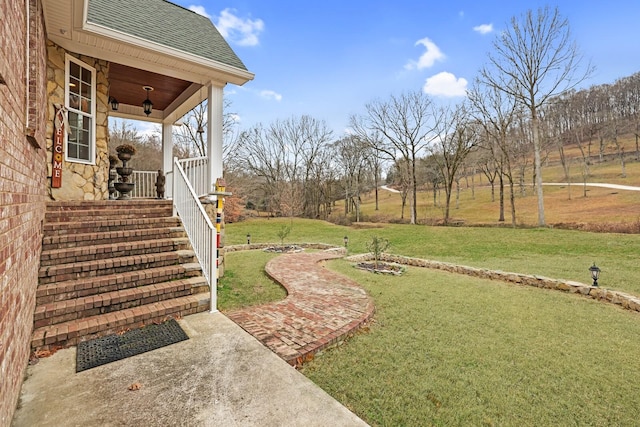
445, 349
562, 254
452, 350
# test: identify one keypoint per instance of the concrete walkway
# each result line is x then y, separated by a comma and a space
219, 376
321, 308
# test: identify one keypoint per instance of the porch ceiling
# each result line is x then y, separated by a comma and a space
125, 85
177, 76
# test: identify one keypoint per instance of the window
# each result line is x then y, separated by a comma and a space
80, 95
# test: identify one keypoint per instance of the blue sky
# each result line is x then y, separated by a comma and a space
329, 58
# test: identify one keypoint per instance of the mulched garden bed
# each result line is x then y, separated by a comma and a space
381, 268
286, 249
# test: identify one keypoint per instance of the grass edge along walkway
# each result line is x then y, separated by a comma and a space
322, 307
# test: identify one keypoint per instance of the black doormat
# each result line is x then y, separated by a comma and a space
101, 351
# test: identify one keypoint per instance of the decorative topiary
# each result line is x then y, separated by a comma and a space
126, 148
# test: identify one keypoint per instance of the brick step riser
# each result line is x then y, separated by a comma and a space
86, 329
64, 229
54, 206
76, 241
109, 253
103, 216
61, 291
97, 272
81, 312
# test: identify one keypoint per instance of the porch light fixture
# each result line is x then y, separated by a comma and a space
346, 241
147, 105
595, 273
114, 103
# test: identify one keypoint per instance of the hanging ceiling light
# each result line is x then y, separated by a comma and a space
147, 105
114, 103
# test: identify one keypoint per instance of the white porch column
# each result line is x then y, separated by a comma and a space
167, 157
214, 132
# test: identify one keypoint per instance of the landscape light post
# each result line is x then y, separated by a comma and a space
346, 241
595, 273
248, 239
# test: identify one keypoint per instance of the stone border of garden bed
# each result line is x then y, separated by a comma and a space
627, 301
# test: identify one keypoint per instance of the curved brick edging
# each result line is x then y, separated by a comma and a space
322, 308
627, 301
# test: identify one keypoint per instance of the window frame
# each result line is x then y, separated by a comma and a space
91, 116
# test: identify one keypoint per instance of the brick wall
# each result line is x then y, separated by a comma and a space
22, 188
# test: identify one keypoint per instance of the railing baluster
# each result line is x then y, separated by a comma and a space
197, 224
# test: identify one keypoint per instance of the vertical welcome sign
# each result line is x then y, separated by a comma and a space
58, 144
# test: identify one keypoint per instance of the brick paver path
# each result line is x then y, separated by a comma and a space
320, 309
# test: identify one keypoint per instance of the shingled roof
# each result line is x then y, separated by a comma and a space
165, 23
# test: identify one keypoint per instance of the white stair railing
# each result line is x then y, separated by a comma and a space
197, 225
195, 170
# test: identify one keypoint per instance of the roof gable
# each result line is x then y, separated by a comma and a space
165, 23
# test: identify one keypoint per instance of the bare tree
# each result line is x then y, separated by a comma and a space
534, 59
284, 158
405, 123
190, 139
496, 114
373, 159
266, 162
350, 154
398, 176
456, 137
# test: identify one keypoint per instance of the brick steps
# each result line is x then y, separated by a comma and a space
101, 267
106, 302
106, 225
70, 333
59, 291
108, 266
96, 215
111, 250
86, 239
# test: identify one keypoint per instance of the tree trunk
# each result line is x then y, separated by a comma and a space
414, 192
435, 194
512, 201
501, 183
473, 184
538, 168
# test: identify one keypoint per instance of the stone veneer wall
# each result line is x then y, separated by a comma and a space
79, 181
23, 187
630, 302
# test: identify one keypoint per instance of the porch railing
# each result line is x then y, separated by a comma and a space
195, 170
197, 225
145, 187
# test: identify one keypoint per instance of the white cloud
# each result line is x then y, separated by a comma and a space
200, 10
445, 84
269, 94
428, 58
241, 31
483, 29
